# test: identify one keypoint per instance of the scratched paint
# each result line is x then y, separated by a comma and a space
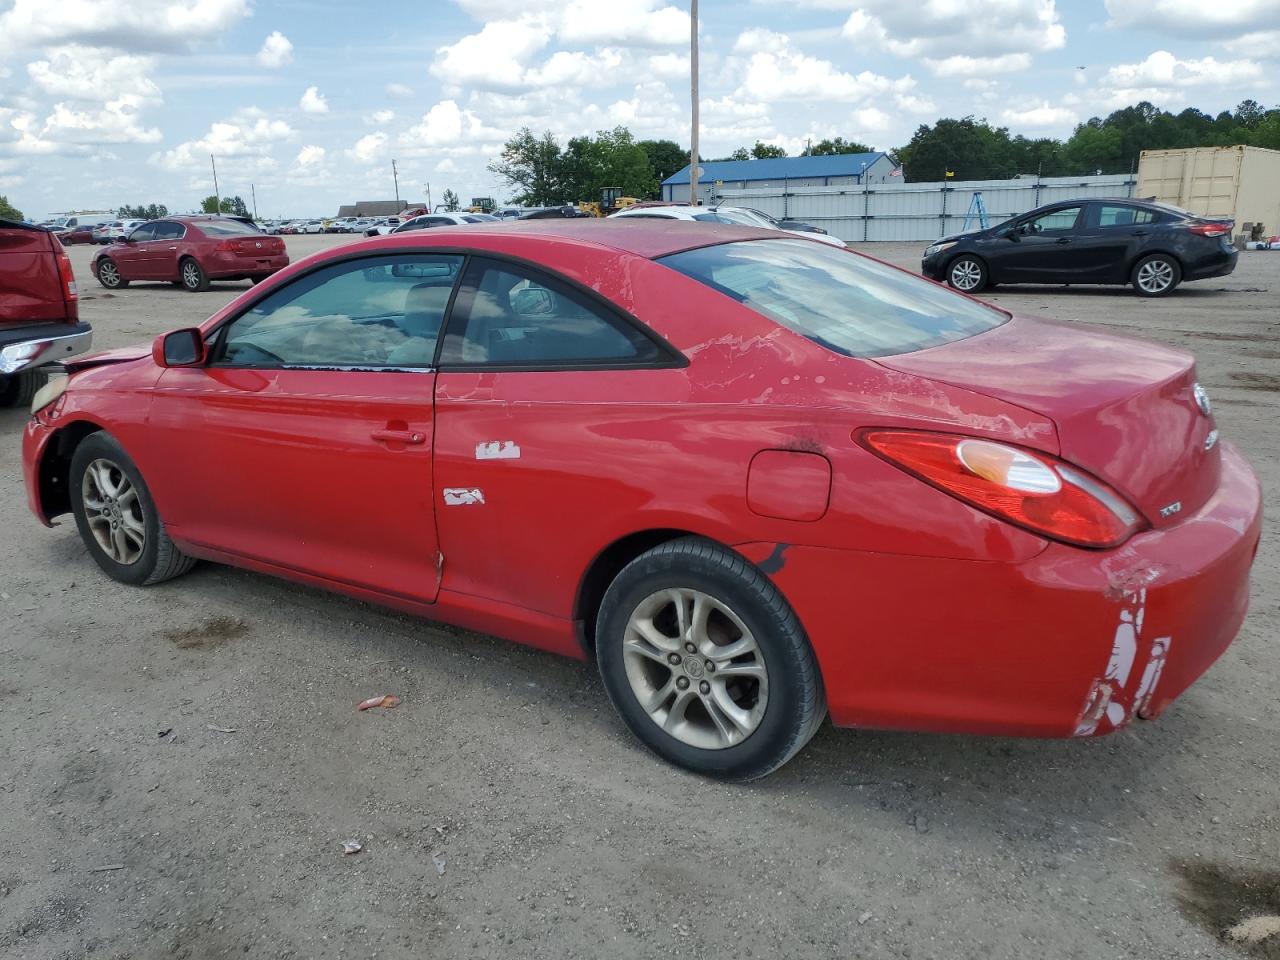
498, 450
463, 496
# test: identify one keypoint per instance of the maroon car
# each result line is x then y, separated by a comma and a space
189, 252
81, 233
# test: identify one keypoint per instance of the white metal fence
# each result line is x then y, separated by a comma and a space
920, 211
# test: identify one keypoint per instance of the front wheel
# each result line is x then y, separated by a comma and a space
967, 274
1156, 275
192, 276
19, 389
109, 275
706, 662
117, 518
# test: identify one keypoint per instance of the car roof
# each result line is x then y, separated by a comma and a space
649, 238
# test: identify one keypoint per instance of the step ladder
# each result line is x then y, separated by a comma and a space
977, 210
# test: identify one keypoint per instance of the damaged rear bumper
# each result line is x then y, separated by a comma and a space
1071, 642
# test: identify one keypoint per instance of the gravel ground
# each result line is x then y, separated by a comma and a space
503, 810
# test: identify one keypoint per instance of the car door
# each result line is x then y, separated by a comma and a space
159, 257
305, 441
1039, 249
1111, 233
128, 255
543, 391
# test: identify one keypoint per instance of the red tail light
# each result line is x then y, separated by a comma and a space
1219, 229
225, 246
67, 280
1030, 490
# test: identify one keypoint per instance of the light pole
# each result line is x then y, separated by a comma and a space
217, 197
693, 88
395, 176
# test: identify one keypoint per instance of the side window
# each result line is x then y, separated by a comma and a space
509, 315
170, 230
145, 232
437, 222
1055, 221
376, 312
1115, 215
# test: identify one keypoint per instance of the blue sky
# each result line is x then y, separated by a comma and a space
104, 102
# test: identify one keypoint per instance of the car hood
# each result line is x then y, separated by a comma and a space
1125, 410
106, 357
953, 237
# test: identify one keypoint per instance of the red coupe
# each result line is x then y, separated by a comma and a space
189, 252
757, 478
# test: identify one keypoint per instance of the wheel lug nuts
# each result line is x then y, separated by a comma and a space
682, 682
673, 658
704, 687
690, 648
711, 667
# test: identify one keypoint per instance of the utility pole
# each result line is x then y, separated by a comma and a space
216, 196
693, 89
254, 193
430, 208
395, 176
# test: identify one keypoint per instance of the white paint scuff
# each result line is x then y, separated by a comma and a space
463, 496
498, 450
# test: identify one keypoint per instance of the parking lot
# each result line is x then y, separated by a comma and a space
180, 765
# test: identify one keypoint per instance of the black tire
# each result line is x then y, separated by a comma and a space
1156, 276
967, 273
112, 279
796, 703
158, 560
19, 389
192, 276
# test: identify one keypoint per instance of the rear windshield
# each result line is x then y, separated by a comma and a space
227, 228
849, 304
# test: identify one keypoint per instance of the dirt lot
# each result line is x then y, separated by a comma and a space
504, 811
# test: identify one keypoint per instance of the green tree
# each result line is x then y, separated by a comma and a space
665, 158
232, 205
8, 211
835, 146
152, 211
742, 153
766, 151
611, 158
450, 201
971, 149
532, 167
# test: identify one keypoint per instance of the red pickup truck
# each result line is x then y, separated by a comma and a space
39, 312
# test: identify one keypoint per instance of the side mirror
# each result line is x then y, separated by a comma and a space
179, 348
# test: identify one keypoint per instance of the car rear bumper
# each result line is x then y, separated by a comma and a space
23, 348
1218, 264
1071, 642
234, 265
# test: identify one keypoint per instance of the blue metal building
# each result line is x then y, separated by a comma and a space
782, 173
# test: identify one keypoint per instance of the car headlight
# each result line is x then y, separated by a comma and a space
49, 393
938, 248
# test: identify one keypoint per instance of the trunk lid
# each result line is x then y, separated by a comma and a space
258, 246
1125, 410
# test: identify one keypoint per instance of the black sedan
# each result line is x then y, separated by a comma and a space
1152, 246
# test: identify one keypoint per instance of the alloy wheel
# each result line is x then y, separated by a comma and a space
1155, 276
113, 511
965, 275
191, 274
108, 273
695, 668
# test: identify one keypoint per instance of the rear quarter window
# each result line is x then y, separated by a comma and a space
850, 304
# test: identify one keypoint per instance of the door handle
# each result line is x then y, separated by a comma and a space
1064, 239
412, 437
173, 248
1139, 233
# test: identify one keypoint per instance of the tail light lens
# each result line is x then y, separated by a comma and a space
70, 294
1028, 489
225, 246
1220, 229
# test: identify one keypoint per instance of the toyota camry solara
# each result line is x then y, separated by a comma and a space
758, 479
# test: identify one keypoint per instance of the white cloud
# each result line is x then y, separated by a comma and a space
379, 117
249, 134
1043, 115
778, 71
398, 90
1262, 45
313, 101
446, 124
1164, 70
964, 66
137, 25
89, 73
1196, 19
668, 66
567, 68
627, 23
446, 166
368, 148
494, 58
276, 50
935, 29
310, 155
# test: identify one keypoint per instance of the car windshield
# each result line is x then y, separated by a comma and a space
847, 303
227, 228
747, 218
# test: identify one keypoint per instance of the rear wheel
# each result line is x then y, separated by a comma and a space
967, 274
109, 275
19, 389
706, 662
117, 518
192, 276
1156, 275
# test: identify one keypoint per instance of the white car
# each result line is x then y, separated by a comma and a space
122, 228
312, 226
382, 226
428, 220
739, 216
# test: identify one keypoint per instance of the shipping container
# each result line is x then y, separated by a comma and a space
1236, 183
